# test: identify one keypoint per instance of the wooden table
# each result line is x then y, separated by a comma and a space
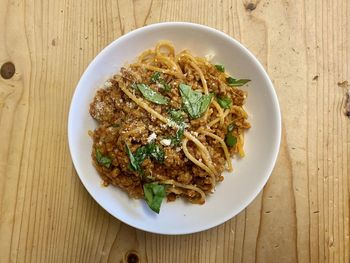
302, 215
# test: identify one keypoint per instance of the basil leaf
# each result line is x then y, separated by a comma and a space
179, 134
141, 154
103, 160
152, 95
220, 67
177, 139
206, 99
224, 102
176, 116
166, 87
151, 150
195, 103
154, 195
236, 82
230, 140
134, 163
154, 151
155, 77
231, 127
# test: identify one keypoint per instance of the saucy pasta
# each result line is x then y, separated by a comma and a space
168, 126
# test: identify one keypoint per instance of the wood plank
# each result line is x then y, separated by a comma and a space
302, 215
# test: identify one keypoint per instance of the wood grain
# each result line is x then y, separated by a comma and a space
302, 215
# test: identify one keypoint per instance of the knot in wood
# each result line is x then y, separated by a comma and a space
132, 257
7, 70
250, 6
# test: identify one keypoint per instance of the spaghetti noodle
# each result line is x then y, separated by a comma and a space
168, 125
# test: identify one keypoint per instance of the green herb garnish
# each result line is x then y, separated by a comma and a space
134, 164
230, 139
166, 87
153, 151
220, 67
103, 160
154, 195
150, 150
236, 82
224, 102
156, 78
152, 95
176, 115
177, 139
195, 103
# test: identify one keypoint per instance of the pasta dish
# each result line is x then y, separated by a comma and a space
168, 126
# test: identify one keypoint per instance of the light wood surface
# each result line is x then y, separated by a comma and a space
302, 215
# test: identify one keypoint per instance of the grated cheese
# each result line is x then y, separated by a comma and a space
152, 137
108, 84
165, 142
194, 133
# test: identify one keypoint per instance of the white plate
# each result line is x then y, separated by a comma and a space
261, 142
